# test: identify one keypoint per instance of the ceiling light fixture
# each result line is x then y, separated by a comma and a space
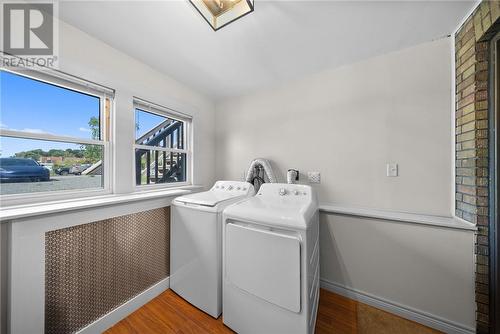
219, 13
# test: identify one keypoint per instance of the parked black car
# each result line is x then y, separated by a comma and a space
20, 169
76, 169
62, 171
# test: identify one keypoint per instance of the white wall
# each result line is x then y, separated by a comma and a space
82, 55
86, 57
348, 123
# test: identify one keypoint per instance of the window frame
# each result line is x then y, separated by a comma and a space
106, 119
170, 113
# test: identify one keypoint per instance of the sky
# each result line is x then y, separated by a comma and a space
37, 107
146, 121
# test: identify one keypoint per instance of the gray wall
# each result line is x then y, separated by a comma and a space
348, 123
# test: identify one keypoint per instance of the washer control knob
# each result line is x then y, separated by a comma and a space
238, 188
230, 188
295, 192
282, 192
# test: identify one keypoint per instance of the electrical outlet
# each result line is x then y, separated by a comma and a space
392, 170
314, 177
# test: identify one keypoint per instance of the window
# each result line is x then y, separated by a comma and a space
162, 148
53, 135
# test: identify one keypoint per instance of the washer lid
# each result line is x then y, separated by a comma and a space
208, 198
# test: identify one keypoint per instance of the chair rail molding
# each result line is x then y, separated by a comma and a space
396, 216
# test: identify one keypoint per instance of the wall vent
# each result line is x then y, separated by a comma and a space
93, 268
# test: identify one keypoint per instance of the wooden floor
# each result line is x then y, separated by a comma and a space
169, 313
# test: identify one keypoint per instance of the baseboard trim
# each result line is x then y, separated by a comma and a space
122, 311
403, 311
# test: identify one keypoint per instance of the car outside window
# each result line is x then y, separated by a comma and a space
53, 135
6, 162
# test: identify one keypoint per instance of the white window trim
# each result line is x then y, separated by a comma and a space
160, 110
73, 83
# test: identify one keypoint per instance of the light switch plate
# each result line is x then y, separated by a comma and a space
314, 177
392, 169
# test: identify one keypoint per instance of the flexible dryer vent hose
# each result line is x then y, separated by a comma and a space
260, 171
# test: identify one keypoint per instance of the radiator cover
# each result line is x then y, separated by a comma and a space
91, 269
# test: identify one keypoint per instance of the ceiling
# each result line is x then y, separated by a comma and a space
278, 42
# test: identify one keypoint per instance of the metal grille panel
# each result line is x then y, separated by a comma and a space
93, 268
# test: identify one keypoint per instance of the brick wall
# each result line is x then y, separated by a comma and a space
472, 52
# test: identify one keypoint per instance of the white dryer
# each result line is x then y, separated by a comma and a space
196, 243
271, 261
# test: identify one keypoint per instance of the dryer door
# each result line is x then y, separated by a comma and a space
264, 263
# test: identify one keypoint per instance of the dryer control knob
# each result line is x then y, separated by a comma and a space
282, 192
295, 192
230, 188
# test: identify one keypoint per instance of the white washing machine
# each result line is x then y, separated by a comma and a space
271, 261
196, 243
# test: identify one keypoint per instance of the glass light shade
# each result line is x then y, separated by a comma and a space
219, 13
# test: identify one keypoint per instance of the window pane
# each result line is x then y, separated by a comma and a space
30, 166
34, 106
155, 130
153, 167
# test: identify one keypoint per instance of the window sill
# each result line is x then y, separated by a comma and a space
25, 211
414, 218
